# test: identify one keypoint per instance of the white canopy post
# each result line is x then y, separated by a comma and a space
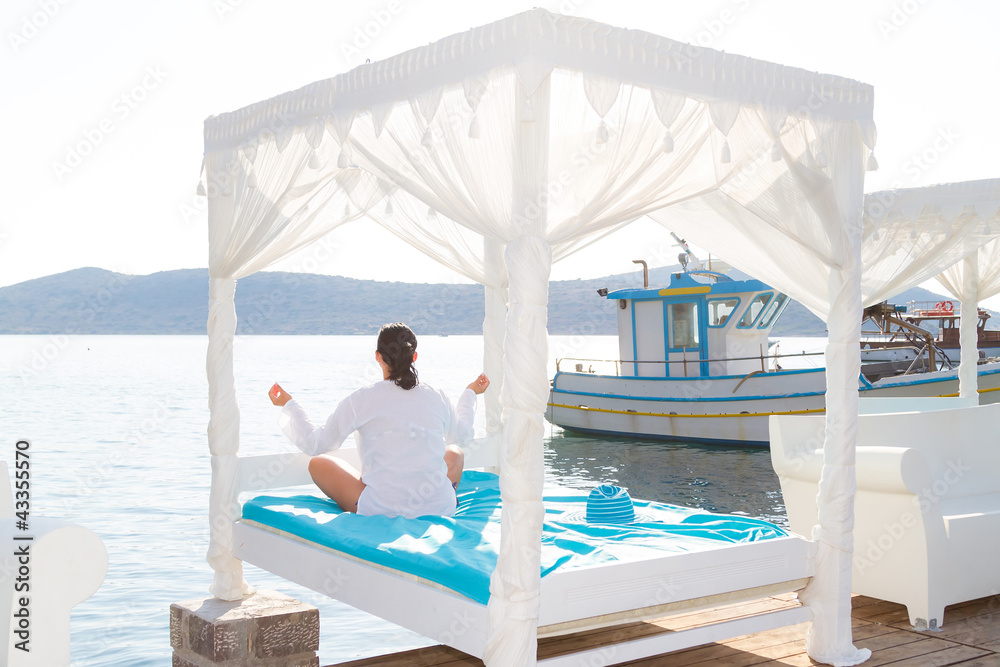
494, 326
968, 377
223, 440
830, 638
829, 593
514, 584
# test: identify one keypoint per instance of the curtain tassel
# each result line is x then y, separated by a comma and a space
314, 162
603, 133
872, 162
726, 155
343, 160
252, 179
474, 128
201, 190
528, 112
775, 151
668, 143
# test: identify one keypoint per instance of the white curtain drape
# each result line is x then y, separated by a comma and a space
946, 231
972, 280
503, 149
808, 248
987, 269
263, 204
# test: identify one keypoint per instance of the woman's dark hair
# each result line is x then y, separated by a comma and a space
396, 344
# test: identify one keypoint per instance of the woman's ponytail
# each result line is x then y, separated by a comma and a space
397, 345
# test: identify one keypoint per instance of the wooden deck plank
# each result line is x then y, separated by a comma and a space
992, 660
430, 656
888, 640
976, 623
747, 650
927, 650
563, 644
887, 613
952, 655
970, 638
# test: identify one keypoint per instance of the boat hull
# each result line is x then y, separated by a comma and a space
723, 410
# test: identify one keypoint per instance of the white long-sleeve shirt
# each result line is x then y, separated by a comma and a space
402, 435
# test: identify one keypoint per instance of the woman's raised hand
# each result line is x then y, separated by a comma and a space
279, 396
480, 384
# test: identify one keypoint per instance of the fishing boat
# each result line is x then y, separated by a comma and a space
695, 365
904, 333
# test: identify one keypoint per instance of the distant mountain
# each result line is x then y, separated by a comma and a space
95, 301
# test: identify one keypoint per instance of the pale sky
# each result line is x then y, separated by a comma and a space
129, 83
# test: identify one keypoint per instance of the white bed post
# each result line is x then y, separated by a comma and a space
223, 440
494, 325
830, 638
968, 376
512, 634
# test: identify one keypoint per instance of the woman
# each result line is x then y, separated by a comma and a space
408, 468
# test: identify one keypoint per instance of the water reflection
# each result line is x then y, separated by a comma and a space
732, 480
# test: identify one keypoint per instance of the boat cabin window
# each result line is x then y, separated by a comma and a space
776, 306
719, 311
754, 310
683, 325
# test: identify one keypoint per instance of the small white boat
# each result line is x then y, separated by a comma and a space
694, 365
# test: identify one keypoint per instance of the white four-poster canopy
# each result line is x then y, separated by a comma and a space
502, 149
950, 232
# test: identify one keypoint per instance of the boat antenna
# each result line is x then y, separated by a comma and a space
645, 272
686, 256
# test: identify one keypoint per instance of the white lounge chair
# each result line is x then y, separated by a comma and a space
927, 510
64, 565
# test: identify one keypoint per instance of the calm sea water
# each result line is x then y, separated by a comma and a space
117, 429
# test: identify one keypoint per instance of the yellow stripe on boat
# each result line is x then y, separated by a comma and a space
679, 291
981, 391
660, 414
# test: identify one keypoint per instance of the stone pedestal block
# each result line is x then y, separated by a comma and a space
266, 629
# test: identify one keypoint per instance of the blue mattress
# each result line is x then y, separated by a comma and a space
460, 552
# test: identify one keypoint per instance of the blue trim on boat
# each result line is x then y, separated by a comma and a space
770, 296
929, 380
703, 333
666, 337
729, 318
669, 438
635, 366
774, 317
685, 281
738, 286
790, 371
710, 399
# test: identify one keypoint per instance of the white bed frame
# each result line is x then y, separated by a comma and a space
571, 601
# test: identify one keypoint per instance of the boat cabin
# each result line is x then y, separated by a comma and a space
693, 328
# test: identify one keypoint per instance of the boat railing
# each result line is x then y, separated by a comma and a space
579, 363
943, 308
